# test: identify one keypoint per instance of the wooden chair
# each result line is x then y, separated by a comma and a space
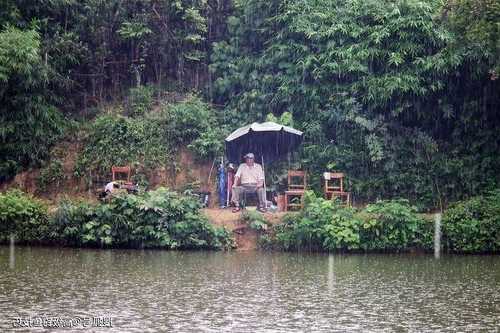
297, 184
124, 170
334, 187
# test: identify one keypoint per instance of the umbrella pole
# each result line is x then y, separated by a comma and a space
265, 190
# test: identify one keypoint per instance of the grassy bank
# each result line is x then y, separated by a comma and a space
165, 219
471, 226
155, 219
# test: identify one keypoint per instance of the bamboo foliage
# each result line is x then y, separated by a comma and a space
402, 95
380, 88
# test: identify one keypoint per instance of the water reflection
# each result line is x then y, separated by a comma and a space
437, 235
12, 254
148, 291
330, 272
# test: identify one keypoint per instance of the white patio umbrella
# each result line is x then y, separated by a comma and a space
267, 141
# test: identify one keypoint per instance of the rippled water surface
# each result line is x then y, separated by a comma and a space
150, 291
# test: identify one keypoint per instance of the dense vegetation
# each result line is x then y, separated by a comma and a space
471, 226
151, 140
23, 216
65, 58
155, 219
401, 95
324, 225
164, 219
29, 121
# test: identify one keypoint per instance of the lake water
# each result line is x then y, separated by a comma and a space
150, 291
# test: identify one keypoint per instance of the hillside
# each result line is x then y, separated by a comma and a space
73, 169
402, 96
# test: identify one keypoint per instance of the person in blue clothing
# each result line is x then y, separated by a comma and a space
222, 186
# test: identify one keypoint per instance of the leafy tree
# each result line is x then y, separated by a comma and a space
401, 95
29, 123
22, 216
475, 23
377, 86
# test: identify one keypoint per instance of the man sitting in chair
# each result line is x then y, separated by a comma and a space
249, 179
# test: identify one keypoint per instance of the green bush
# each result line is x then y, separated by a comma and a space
68, 221
473, 225
324, 225
140, 101
23, 216
392, 225
209, 144
118, 140
157, 218
51, 175
188, 119
148, 141
342, 232
195, 124
321, 225
255, 221
265, 242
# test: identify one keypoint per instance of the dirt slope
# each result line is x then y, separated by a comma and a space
186, 170
246, 238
